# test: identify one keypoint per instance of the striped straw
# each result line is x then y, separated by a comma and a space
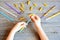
8, 11
28, 21
46, 13
54, 15
26, 25
6, 16
13, 8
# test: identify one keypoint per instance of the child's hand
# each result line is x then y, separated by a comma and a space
36, 19
18, 26
37, 22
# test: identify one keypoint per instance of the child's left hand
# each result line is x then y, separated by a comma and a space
18, 26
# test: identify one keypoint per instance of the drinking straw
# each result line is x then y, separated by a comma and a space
24, 27
54, 15
26, 22
8, 11
13, 8
46, 13
21, 29
6, 16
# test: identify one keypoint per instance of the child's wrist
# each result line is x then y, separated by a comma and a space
13, 30
38, 25
38, 28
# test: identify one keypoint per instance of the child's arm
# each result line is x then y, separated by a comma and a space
16, 28
37, 23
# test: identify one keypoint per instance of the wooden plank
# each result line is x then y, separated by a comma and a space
51, 27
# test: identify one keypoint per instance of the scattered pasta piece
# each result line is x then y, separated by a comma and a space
30, 14
45, 4
40, 9
22, 5
21, 9
28, 2
16, 5
31, 8
22, 19
35, 4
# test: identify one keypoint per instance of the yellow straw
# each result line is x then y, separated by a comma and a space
50, 17
45, 14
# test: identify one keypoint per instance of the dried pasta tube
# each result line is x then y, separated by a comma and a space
31, 8
22, 5
16, 5
22, 19
21, 9
40, 9
28, 2
30, 14
45, 4
35, 4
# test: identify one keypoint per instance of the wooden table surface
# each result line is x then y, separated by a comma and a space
51, 27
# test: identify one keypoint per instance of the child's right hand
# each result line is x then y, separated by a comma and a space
36, 19
37, 22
